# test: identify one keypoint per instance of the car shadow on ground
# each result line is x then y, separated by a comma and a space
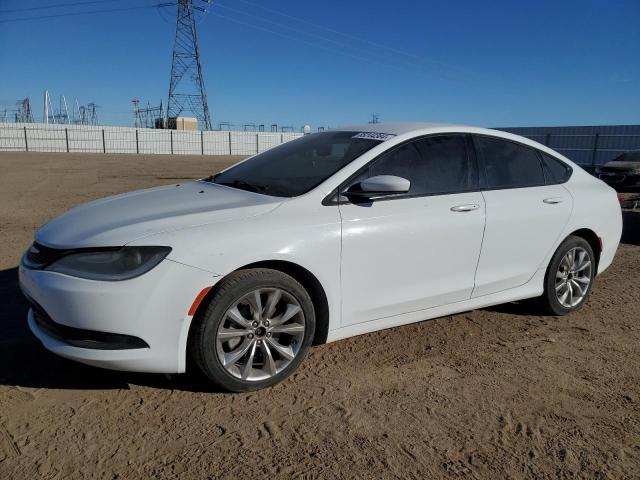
24, 362
631, 229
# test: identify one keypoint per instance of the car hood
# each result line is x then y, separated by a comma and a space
622, 165
120, 219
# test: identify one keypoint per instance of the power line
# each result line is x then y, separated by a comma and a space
89, 12
362, 50
298, 31
44, 7
328, 49
337, 32
359, 39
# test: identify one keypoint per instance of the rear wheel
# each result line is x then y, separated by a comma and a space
255, 331
569, 277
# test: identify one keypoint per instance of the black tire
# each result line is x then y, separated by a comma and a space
202, 345
549, 301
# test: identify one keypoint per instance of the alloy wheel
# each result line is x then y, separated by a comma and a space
260, 334
573, 277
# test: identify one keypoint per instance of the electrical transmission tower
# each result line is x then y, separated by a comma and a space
23, 111
91, 114
150, 117
62, 115
186, 87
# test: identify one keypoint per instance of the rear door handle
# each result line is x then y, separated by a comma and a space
465, 208
553, 200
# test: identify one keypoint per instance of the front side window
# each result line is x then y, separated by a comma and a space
509, 165
436, 164
297, 166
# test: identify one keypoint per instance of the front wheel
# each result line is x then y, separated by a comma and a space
255, 331
569, 277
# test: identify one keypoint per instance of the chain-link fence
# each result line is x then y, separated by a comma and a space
34, 137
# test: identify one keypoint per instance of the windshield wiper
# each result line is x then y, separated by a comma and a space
242, 185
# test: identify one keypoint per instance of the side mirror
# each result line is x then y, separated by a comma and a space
377, 187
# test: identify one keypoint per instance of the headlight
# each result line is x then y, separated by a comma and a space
110, 264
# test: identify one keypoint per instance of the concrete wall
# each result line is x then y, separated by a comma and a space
40, 137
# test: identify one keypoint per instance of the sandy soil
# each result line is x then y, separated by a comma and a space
494, 393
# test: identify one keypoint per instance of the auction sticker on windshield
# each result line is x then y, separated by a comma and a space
374, 136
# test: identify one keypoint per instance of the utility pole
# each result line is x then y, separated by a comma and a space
186, 86
136, 112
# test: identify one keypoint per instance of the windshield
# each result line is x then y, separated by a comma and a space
296, 167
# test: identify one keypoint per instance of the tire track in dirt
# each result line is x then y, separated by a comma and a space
494, 393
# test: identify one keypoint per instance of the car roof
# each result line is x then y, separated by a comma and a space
393, 128
420, 128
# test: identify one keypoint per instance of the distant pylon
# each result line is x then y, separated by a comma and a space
93, 116
62, 115
186, 71
47, 111
23, 111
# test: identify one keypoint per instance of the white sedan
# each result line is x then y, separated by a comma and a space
332, 235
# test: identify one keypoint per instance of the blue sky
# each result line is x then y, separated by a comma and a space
498, 63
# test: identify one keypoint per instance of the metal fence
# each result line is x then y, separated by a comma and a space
587, 146
34, 137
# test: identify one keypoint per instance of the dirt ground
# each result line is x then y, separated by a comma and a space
494, 393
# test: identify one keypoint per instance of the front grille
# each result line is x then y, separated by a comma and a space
39, 256
79, 337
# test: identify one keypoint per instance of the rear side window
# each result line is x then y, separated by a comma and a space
509, 165
433, 165
557, 171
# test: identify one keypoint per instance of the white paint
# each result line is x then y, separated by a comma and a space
414, 253
393, 263
516, 243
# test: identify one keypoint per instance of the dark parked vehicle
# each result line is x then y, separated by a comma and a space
623, 172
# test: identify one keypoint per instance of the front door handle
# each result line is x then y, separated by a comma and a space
465, 208
553, 200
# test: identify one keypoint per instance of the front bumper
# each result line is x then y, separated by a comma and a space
78, 337
152, 308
